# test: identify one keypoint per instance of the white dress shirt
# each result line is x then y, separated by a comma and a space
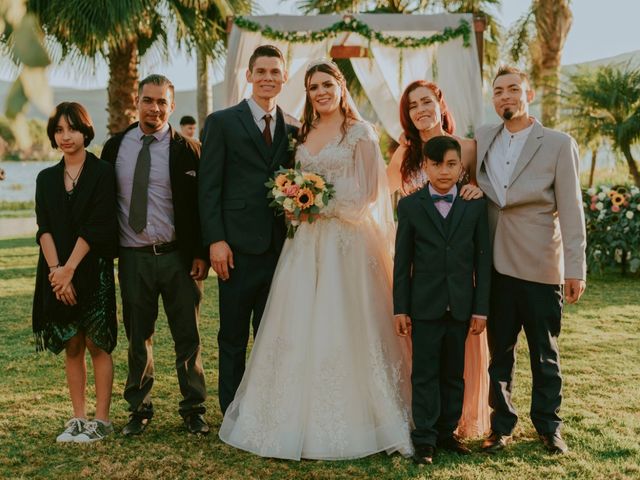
502, 158
258, 116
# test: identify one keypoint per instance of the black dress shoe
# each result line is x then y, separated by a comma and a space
495, 442
135, 426
554, 443
453, 444
423, 455
196, 423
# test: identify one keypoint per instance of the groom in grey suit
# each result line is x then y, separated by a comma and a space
530, 176
242, 147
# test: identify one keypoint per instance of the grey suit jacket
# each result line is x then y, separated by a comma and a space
539, 235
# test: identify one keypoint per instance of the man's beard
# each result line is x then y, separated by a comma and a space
507, 115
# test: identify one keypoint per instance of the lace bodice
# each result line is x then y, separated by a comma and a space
350, 165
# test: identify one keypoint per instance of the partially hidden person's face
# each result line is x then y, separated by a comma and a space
324, 93
155, 105
188, 131
445, 174
267, 77
511, 96
424, 108
68, 139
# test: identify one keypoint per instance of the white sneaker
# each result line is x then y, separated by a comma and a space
72, 428
93, 431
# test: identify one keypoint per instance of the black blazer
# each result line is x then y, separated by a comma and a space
92, 215
236, 164
184, 159
433, 270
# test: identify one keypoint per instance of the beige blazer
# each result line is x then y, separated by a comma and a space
539, 235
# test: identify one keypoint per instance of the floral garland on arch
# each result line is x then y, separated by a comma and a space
351, 24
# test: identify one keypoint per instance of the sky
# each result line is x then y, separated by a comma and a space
593, 35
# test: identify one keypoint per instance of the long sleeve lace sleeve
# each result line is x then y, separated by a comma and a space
358, 189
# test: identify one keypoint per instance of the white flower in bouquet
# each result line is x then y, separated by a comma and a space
289, 204
591, 191
318, 202
599, 205
602, 195
629, 215
298, 179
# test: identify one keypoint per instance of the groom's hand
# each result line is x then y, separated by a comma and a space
402, 324
221, 258
573, 289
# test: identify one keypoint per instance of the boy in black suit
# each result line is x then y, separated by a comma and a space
440, 289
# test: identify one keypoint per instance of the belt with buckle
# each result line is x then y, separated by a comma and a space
157, 248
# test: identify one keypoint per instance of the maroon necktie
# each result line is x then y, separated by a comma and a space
266, 133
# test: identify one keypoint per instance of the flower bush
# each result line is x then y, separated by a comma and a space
613, 227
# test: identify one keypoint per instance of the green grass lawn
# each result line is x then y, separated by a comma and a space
600, 347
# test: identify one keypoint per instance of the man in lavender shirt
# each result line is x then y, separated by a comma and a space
160, 251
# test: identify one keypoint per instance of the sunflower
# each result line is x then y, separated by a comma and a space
305, 198
316, 179
282, 181
617, 199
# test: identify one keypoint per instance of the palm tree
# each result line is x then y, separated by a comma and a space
583, 127
540, 35
123, 31
205, 55
606, 102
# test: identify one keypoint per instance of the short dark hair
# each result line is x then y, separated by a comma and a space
435, 148
508, 70
78, 118
265, 51
159, 80
187, 120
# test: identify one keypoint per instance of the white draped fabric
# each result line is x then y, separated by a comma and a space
383, 75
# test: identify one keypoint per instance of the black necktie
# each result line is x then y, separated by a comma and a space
266, 133
140, 189
444, 198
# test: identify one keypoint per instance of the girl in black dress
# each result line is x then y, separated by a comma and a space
74, 307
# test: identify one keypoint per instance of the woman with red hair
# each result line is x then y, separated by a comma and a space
424, 114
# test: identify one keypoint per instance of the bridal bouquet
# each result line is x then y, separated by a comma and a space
298, 194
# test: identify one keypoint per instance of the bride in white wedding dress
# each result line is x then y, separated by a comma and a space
328, 378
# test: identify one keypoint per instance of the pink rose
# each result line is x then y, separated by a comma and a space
594, 198
291, 190
593, 207
615, 208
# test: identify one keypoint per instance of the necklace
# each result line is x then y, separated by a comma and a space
74, 180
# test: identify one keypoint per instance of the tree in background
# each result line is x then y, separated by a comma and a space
21, 39
605, 103
125, 30
539, 37
205, 56
575, 116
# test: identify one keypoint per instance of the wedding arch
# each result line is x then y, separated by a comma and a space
387, 51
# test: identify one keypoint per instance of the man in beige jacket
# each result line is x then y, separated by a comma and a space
529, 174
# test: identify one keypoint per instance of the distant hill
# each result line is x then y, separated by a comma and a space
96, 103
630, 58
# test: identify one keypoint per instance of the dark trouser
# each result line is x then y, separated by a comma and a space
537, 307
143, 278
437, 380
242, 300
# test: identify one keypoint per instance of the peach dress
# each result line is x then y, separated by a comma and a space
475, 421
